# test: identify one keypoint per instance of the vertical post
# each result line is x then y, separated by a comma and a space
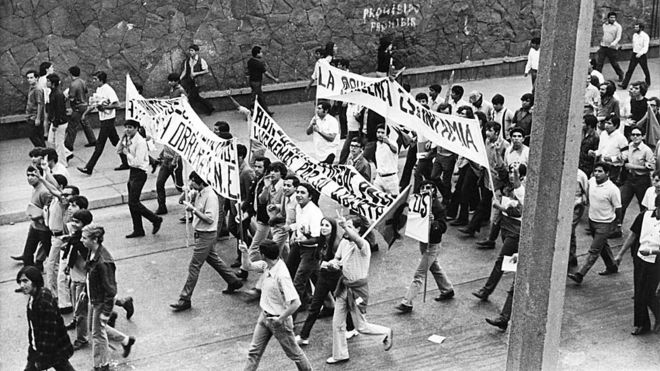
551, 180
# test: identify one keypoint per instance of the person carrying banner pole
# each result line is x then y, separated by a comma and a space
430, 248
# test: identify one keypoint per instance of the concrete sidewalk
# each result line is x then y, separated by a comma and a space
107, 187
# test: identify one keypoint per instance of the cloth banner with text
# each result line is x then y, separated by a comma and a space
456, 134
172, 122
342, 183
419, 212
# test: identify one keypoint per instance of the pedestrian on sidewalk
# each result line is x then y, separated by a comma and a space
352, 294
609, 44
205, 212
640, 47
102, 289
193, 67
279, 300
105, 100
78, 105
256, 69
49, 344
35, 110
430, 252
134, 147
532, 67
57, 118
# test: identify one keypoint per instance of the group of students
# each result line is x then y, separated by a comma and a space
79, 272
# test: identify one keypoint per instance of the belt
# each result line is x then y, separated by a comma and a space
386, 175
268, 315
57, 234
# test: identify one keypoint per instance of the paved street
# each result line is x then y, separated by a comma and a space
215, 334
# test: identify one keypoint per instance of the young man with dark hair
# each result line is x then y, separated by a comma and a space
502, 115
205, 222
105, 100
193, 67
436, 99
49, 344
78, 104
282, 217
357, 160
638, 104
589, 143
279, 301
523, 117
176, 90
604, 214
612, 148
640, 44
324, 129
102, 289
256, 69
609, 44
639, 164
456, 98
35, 110
257, 206
57, 117
532, 66
134, 147
387, 158
38, 231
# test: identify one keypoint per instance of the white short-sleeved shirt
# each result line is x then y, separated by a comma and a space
512, 156
58, 168
354, 261
604, 199
649, 198
308, 220
388, 161
276, 287
104, 94
328, 124
352, 110
612, 146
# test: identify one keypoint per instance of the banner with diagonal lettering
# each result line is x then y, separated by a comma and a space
172, 122
457, 134
342, 183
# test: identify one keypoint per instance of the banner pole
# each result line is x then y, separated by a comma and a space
187, 198
428, 242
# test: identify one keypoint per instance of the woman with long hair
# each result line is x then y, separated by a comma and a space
327, 279
384, 61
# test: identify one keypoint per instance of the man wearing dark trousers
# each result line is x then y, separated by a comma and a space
105, 100
134, 147
205, 222
34, 110
256, 69
609, 44
640, 43
78, 104
193, 67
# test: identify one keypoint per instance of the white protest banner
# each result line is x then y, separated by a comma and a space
419, 211
339, 182
173, 122
457, 134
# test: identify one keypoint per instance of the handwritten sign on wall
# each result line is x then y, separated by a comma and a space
391, 16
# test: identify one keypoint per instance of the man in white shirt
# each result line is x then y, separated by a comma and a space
532, 66
640, 44
134, 146
278, 301
502, 115
609, 44
517, 153
479, 104
604, 213
612, 148
591, 94
387, 159
456, 99
105, 100
325, 133
436, 99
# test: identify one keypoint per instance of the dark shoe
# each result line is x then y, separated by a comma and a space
639, 330
404, 308
445, 296
624, 87
242, 274
122, 167
485, 245
128, 306
499, 322
154, 166
577, 277
609, 271
112, 319
66, 310
183, 219
157, 225
181, 305
161, 211
127, 347
69, 157
84, 170
481, 294
466, 231
326, 312
374, 247
79, 344
18, 258
233, 287
458, 223
135, 234
236, 264
388, 341
71, 325
90, 145
572, 262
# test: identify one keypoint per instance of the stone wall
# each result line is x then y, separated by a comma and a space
147, 38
